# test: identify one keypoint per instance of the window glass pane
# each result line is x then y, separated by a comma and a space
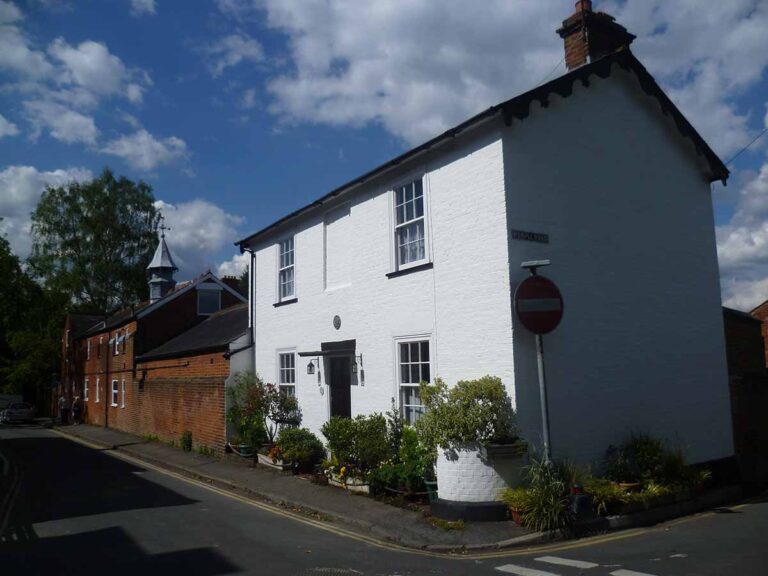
425, 351
404, 374
415, 376
400, 214
207, 301
425, 372
419, 207
288, 390
409, 211
398, 196
410, 395
419, 191
404, 357
408, 193
414, 351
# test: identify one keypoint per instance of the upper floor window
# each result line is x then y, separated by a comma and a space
98, 348
285, 275
414, 368
118, 342
410, 225
114, 393
208, 298
88, 350
287, 373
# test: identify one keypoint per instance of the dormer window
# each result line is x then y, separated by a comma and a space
208, 298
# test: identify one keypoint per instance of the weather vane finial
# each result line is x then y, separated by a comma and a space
162, 226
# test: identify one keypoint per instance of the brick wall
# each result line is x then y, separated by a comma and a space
761, 313
177, 395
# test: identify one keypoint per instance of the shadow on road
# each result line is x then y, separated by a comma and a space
62, 479
110, 551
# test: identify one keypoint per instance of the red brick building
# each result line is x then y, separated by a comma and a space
99, 352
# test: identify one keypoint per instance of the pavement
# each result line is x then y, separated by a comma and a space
340, 507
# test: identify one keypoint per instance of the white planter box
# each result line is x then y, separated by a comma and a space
463, 476
351, 484
265, 460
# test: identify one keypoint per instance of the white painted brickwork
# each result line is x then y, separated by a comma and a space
462, 305
467, 478
632, 243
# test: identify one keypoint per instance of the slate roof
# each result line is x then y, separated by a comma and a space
213, 334
162, 258
519, 108
80, 323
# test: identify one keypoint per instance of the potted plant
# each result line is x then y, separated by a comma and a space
518, 501
458, 425
245, 412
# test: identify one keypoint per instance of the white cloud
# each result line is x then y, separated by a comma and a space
143, 151
17, 53
417, 68
141, 7
199, 230
63, 123
743, 246
7, 128
20, 190
230, 51
90, 65
234, 266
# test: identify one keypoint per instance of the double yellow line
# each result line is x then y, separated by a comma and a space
383, 544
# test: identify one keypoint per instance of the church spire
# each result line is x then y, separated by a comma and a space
161, 269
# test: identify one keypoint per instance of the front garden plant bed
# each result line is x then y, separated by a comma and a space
272, 462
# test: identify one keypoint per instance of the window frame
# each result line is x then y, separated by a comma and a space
85, 390
98, 348
394, 226
114, 394
122, 394
88, 349
218, 289
288, 387
117, 343
97, 390
280, 268
398, 341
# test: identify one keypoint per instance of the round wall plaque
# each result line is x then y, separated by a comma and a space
337, 322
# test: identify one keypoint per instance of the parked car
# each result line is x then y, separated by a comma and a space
17, 412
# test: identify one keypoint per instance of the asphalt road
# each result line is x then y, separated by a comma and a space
83, 511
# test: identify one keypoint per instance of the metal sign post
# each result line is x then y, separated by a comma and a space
539, 306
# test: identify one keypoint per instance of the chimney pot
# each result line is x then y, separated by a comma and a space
589, 35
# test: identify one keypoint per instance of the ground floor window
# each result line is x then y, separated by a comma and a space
85, 391
97, 389
114, 392
286, 377
122, 390
413, 368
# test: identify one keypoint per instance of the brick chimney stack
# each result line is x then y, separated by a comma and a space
591, 35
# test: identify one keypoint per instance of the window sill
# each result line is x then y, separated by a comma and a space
113, 405
402, 272
285, 302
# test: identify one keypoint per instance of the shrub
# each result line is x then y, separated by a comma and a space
407, 470
301, 447
186, 441
360, 444
259, 410
516, 498
640, 458
472, 412
548, 505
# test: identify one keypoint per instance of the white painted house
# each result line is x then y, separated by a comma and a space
407, 272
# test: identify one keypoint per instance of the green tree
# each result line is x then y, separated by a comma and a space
30, 327
93, 241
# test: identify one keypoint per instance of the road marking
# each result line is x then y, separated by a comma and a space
523, 571
566, 562
557, 547
629, 573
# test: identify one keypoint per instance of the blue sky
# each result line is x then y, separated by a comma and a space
239, 111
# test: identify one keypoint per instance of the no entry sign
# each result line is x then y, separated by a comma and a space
538, 304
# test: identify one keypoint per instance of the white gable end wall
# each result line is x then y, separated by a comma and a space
461, 304
632, 244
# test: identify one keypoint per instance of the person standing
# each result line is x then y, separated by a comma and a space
77, 409
64, 408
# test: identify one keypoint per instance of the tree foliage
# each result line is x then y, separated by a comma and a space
30, 326
93, 241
